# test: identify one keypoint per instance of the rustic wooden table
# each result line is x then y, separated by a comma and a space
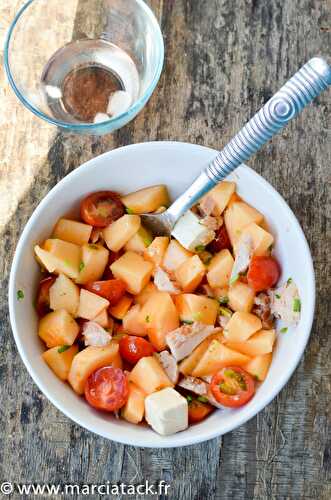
224, 58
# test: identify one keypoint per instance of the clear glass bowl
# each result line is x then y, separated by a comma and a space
50, 38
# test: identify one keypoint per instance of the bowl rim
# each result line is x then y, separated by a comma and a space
104, 126
160, 441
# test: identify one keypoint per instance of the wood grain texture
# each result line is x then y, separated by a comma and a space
224, 58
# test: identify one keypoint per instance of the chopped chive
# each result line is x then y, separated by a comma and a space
129, 211
63, 348
81, 266
224, 300
199, 248
147, 241
283, 330
189, 398
147, 319
187, 322
296, 305
224, 311
289, 281
277, 295
202, 399
20, 295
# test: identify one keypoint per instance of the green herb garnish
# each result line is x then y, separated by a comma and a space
202, 399
223, 300
63, 348
296, 305
129, 211
289, 281
200, 248
20, 295
81, 266
187, 322
283, 330
147, 319
277, 295
189, 398
224, 311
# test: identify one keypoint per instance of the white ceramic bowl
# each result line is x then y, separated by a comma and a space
127, 169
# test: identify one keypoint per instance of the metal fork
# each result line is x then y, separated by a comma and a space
300, 90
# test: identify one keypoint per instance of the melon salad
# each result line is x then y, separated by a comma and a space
157, 329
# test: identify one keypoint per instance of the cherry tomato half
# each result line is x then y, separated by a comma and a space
107, 389
101, 208
232, 386
112, 290
42, 303
198, 410
133, 348
263, 273
221, 241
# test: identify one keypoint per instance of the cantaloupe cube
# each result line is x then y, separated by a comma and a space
139, 241
145, 293
64, 294
259, 343
197, 308
59, 360
89, 360
262, 240
133, 323
241, 297
174, 256
259, 366
90, 304
72, 231
156, 250
188, 364
146, 200
221, 195
93, 263
122, 307
134, 409
133, 270
216, 357
160, 316
102, 319
241, 326
66, 262
219, 269
118, 233
189, 274
58, 328
149, 375
238, 216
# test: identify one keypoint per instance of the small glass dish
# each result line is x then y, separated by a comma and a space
53, 46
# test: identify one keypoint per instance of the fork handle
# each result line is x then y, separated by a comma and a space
300, 90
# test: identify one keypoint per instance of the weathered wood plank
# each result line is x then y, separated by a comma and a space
224, 58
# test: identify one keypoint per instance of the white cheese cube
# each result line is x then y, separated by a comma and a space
166, 411
191, 233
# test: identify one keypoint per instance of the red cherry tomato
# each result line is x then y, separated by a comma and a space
198, 411
42, 304
263, 273
101, 208
112, 290
107, 389
232, 386
132, 348
221, 241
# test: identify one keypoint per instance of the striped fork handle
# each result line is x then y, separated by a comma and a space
300, 90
